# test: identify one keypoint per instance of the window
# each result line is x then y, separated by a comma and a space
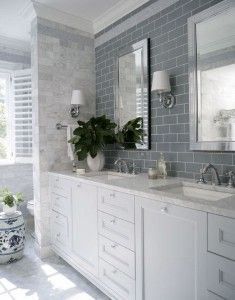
15, 117
5, 125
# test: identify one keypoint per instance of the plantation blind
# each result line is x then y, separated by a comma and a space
22, 94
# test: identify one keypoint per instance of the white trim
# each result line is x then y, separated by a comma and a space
115, 13
15, 43
52, 14
133, 20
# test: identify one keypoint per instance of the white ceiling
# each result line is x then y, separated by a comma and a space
89, 15
12, 24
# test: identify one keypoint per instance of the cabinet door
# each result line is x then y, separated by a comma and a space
171, 244
84, 226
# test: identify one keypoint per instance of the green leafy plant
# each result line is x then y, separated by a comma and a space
91, 136
131, 134
9, 198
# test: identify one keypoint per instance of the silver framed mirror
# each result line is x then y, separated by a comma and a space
211, 39
132, 88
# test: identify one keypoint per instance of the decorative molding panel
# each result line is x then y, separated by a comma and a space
115, 13
58, 16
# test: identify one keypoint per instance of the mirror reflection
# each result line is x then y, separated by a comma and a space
216, 78
132, 88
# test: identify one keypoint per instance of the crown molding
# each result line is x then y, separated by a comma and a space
15, 44
115, 13
28, 12
52, 14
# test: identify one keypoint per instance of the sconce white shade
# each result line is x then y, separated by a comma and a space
161, 82
78, 98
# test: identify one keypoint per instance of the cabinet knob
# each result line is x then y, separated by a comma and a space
114, 271
113, 245
112, 195
113, 221
58, 235
79, 185
164, 209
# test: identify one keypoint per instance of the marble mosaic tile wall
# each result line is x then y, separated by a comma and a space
167, 31
62, 60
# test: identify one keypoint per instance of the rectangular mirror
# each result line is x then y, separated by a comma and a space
132, 87
212, 78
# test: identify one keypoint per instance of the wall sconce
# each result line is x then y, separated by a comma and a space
77, 101
161, 84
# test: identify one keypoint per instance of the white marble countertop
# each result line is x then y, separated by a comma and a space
140, 185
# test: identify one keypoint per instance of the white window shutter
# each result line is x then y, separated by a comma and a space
22, 109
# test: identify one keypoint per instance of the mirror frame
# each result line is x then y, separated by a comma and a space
144, 44
193, 83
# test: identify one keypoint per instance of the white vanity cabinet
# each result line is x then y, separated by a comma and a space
221, 256
135, 248
171, 249
84, 225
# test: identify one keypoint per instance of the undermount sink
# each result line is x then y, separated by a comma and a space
109, 175
192, 191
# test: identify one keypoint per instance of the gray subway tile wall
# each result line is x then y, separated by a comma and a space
167, 31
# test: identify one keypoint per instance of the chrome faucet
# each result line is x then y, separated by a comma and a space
119, 163
215, 175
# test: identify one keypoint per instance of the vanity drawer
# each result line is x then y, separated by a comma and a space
60, 204
120, 283
221, 276
117, 230
117, 255
117, 204
59, 230
60, 186
221, 235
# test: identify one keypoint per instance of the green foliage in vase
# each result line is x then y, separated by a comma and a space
8, 198
91, 136
130, 134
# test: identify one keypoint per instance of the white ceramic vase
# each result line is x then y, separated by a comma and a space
97, 163
9, 210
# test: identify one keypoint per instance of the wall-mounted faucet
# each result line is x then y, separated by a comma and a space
215, 175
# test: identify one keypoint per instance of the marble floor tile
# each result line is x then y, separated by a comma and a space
34, 279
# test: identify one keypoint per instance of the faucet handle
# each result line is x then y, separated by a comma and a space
230, 174
134, 168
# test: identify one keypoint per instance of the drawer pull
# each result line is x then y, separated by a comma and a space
225, 283
222, 240
114, 246
58, 235
113, 221
79, 185
164, 210
114, 271
112, 195
57, 217
57, 179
